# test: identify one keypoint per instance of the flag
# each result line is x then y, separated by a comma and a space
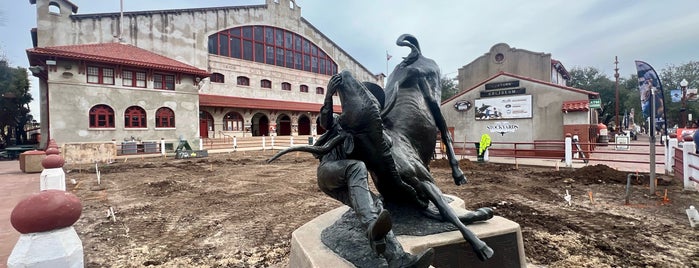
388, 56
648, 82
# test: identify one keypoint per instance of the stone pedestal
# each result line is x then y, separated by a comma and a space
30, 161
57, 248
502, 235
53, 178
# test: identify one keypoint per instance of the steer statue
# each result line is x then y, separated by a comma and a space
390, 134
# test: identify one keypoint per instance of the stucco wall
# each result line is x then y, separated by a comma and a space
183, 34
71, 99
515, 61
546, 122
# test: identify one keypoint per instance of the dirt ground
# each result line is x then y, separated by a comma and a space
234, 210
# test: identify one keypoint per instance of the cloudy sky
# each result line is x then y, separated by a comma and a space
454, 33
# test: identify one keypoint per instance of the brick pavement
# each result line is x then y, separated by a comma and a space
14, 186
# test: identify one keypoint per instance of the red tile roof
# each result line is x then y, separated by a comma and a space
250, 103
576, 106
116, 53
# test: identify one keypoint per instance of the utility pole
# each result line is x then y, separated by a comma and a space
616, 89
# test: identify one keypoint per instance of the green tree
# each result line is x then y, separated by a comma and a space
671, 77
449, 88
14, 102
591, 79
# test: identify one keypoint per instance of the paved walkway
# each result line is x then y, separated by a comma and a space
14, 186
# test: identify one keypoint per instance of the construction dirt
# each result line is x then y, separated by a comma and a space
234, 210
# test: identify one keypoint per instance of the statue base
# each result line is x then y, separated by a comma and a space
502, 235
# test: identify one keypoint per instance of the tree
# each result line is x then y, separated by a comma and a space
671, 77
448, 86
14, 103
590, 79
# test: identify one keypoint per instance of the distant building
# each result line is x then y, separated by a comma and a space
515, 95
190, 73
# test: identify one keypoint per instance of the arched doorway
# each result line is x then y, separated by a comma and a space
260, 125
304, 125
206, 124
284, 125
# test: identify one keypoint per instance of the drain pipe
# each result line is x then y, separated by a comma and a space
628, 185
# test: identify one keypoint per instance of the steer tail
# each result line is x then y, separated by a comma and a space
407, 40
316, 150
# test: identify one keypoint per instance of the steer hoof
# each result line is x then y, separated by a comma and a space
484, 253
460, 180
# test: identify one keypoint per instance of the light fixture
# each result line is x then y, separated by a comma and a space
50, 62
684, 83
36, 70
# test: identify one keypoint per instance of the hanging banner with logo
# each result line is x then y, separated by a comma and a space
503, 107
649, 82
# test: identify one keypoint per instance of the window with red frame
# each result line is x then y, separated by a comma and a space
271, 45
286, 86
100, 75
164, 117
101, 116
164, 81
217, 78
265, 83
320, 90
135, 117
243, 81
133, 78
303, 88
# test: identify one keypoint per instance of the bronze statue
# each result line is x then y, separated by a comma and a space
393, 133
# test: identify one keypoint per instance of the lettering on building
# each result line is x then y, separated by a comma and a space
502, 128
491, 86
495, 93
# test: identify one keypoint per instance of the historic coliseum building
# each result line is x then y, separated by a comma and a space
190, 73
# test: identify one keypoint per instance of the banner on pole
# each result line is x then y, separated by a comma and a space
649, 82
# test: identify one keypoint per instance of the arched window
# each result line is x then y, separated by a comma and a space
264, 83
135, 117
271, 45
54, 8
243, 81
217, 78
233, 122
303, 88
164, 117
101, 116
286, 86
320, 90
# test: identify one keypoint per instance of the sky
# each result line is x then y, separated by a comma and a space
452, 32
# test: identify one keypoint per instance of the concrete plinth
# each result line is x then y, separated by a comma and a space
30, 161
53, 178
502, 235
57, 248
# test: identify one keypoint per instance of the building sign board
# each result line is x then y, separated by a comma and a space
495, 93
462, 105
498, 85
504, 107
595, 103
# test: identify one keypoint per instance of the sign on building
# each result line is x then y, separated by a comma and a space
510, 107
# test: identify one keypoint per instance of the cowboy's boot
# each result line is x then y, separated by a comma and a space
369, 211
397, 258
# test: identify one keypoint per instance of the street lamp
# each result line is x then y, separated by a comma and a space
683, 85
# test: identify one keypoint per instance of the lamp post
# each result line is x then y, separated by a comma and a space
683, 85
